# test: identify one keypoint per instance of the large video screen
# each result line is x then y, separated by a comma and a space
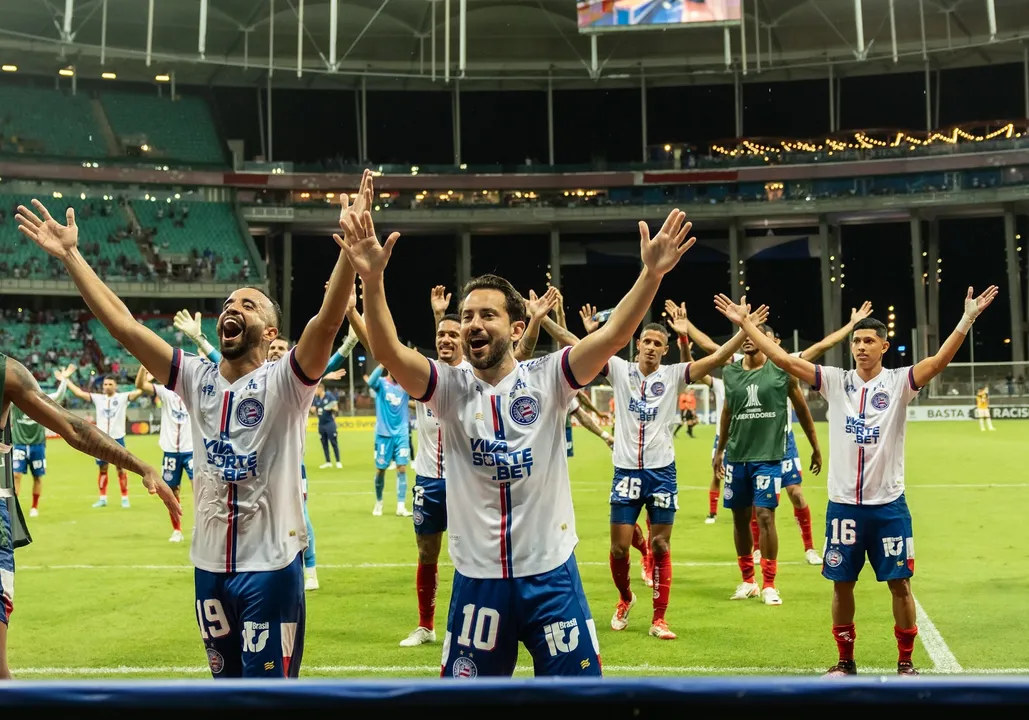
614, 15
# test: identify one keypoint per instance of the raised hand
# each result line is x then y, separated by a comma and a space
62, 375
760, 316
335, 375
362, 203
55, 239
588, 314
352, 300
974, 306
736, 313
189, 326
366, 255
663, 252
440, 299
861, 313
677, 317
540, 307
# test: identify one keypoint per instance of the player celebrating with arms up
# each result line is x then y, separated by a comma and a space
248, 419
867, 512
512, 526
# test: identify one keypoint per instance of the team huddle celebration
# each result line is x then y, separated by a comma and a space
491, 468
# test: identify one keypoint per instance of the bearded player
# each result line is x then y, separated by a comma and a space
250, 417
867, 513
512, 526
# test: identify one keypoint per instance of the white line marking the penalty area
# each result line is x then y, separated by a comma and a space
345, 566
934, 643
433, 670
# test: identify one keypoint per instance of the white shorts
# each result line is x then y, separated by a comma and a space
982, 413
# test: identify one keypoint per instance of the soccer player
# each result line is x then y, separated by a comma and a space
176, 439
249, 417
867, 514
18, 389
512, 526
325, 406
392, 438
982, 410
29, 438
110, 406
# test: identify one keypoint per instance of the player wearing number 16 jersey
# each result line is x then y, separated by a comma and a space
512, 526
867, 513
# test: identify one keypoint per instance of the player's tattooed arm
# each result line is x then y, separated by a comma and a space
563, 336
807, 423
22, 389
536, 308
740, 315
933, 365
588, 423
662, 253
822, 346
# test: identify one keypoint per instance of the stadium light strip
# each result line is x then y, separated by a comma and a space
991, 14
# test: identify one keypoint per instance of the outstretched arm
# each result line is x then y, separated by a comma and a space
535, 309
21, 389
822, 346
807, 423
798, 367
76, 390
61, 241
587, 358
563, 336
587, 422
933, 365
700, 369
191, 327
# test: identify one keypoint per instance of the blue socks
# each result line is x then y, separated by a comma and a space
401, 486
380, 483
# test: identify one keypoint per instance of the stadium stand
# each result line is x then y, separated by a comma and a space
182, 129
42, 122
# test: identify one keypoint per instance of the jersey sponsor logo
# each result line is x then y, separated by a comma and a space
207, 390
863, 435
508, 464
834, 558
255, 636
215, 660
880, 400
639, 408
465, 668
555, 634
525, 410
893, 546
249, 412
658, 389
233, 466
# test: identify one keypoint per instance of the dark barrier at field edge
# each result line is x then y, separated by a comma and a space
601, 698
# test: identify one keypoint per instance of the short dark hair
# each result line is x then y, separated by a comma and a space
870, 323
766, 329
656, 327
276, 308
512, 298
112, 378
451, 317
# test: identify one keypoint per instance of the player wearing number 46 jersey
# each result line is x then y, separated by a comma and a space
867, 513
512, 527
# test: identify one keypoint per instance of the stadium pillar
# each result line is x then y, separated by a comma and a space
456, 116
287, 281
832, 296
643, 112
918, 275
550, 118
738, 94
364, 118
932, 327
737, 265
833, 122
464, 258
1014, 287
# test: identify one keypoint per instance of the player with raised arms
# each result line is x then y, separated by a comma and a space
20, 390
512, 527
867, 514
249, 422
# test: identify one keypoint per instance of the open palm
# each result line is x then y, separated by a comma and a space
56, 239
366, 255
974, 306
662, 253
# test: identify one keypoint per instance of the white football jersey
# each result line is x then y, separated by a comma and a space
646, 408
718, 388
509, 500
866, 433
249, 440
110, 413
429, 462
176, 431
789, 406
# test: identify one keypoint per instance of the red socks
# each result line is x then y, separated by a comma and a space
845, 637
426, 585
639, 541
905, 642
35, 501
123, 482
101, 482
768, 570
746, 567
803, 517
662, 584
620, 574
712, 502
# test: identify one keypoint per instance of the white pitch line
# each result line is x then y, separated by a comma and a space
433, 670
343, 566
934, 643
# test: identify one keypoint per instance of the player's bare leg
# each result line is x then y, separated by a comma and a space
755, 533
426, 583
402, 510
123, 485
713, 494
621, 538
5, 671
769, 556
639, 541
802, 514
843, 628
905, 628
661, 551
101, 482
744, 542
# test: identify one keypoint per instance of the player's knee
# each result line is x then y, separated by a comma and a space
619, 549
796, 496
765, 518
660, 545
900, 588
380, 474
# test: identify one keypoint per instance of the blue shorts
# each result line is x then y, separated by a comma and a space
303, 479
392, 449
120, 441
791, 465
430, 505
882, 532
548, 613
328, 430
568, 441
632, 489
26, 457
174, 464
6, 562
252, 623
752, 484
714, 446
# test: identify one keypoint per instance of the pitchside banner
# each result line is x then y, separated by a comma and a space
965, 412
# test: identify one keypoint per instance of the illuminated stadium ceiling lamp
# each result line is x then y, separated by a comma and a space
109, 76
162, 78
66, 72
9, 68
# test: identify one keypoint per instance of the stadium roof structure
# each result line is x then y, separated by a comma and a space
496, 44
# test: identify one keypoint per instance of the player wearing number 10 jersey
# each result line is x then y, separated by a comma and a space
512, 526
867, 513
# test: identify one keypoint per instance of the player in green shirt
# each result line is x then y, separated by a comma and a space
29, 438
